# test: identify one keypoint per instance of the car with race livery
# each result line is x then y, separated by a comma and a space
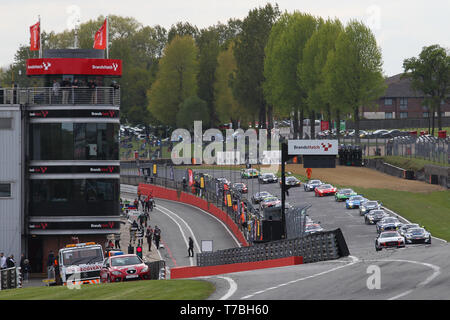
417, 235
267, 178
366, 206
292, 181
224, 183
404, 228
313, 228
344, 194
388, 224
389, 239
125, 267
249, 173
375, 215
259, 196
354, 201
325, 190
311, 185
79, 263
240, 187
271, 201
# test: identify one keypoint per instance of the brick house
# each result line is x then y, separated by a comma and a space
401, 102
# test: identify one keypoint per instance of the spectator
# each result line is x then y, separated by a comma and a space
117, 241
65, 91
2, 261
140, 235
149, 236
26, 270
10, 263
55, 90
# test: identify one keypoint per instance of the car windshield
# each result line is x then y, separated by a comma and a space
417, 231
81, 256
377, 212
125, 261
291, 178
390, 220
315, 182
356, 198
345, 191
371, 203
389, 235
325, 186
268, 175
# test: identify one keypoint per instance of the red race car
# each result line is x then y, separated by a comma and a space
325, 190
124, 267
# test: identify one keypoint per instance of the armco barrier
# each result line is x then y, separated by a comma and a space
190, 272
170, 194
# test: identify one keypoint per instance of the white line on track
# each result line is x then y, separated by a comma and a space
163, 210
354, 260
436, 272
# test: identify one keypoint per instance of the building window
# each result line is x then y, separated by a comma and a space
5, 190
74, 197
74, 141
403, 115
388, 102
5, 123
403, 103
426, 114
388, 115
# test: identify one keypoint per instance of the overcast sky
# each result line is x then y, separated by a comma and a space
402, 27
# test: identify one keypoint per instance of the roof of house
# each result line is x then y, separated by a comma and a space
398, 87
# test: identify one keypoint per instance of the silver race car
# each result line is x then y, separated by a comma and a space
389, 239
417, 235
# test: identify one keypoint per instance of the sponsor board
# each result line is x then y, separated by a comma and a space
313, 147
41, 66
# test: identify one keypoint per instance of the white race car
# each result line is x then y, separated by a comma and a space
417, 235
389, 239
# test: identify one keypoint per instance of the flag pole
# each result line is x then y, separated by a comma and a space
40, 38
107, 37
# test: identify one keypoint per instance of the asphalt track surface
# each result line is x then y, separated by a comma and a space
414, 272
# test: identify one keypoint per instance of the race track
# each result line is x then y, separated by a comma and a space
414, 272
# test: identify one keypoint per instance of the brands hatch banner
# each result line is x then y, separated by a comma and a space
74, 169
104, 67
44, 114
313, 147
74, 225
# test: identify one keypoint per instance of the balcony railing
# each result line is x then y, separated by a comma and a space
62, 96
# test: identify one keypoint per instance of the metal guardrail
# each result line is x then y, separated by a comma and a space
315, 247
61, 96
10, 278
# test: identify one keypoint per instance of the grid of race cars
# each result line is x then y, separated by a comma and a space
391, 233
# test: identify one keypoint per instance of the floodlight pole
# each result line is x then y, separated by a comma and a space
284, 151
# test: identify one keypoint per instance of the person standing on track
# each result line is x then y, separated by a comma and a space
191, 247
149, 236
157, 236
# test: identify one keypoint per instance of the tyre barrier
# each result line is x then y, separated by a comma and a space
10, 278
320, 246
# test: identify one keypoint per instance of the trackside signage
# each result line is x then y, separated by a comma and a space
313, 147
106, 67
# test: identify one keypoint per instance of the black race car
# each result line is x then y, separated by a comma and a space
367, 206
374, 216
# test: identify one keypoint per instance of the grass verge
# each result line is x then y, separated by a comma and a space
136, 290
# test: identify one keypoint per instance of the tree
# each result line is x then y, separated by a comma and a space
430, 75
190, 110
227, 107
284, 54
354, 70
311, 69
176, 79
249, 55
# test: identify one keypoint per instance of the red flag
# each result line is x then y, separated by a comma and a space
100, 37
35, 33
